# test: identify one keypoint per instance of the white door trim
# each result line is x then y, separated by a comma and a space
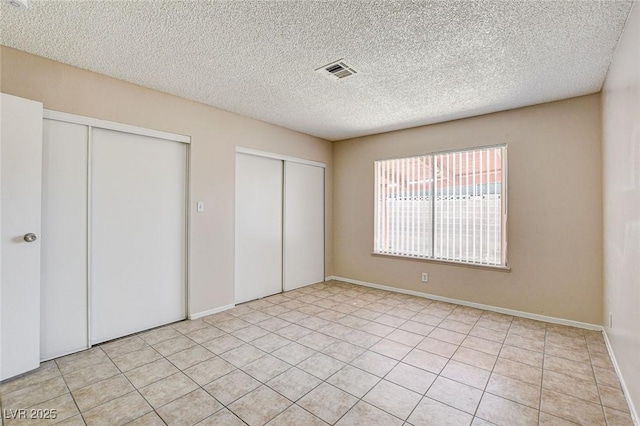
111, 125
249, 151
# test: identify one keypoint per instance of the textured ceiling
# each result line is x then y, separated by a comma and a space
418, 62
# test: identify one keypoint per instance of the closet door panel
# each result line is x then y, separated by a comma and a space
138, 233
64, 239
258, 252
304, 225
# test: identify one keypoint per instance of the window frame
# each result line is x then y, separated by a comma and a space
504, 217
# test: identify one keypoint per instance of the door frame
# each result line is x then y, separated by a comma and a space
92, 123
284, 158
257, 153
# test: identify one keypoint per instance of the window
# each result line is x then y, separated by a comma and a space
444, 206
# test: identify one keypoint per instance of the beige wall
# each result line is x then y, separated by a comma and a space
555, 219
621, 190
214, 135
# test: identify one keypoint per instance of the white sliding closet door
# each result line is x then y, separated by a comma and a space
63, 320
258, 253
303, 225
138, 229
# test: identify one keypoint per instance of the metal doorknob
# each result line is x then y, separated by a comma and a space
30, 237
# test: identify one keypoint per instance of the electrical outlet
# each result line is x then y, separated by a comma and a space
425, 277
610, 320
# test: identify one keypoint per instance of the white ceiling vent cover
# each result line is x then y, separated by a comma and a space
338, 70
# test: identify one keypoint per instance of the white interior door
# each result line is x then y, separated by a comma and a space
64, 322
258, 252
303, 225
138, 233
21, 174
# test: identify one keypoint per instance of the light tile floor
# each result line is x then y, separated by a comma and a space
334, 353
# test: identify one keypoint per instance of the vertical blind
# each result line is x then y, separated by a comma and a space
444, 206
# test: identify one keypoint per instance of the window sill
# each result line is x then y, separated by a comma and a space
446, 262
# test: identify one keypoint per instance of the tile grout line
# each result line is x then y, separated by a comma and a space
604, 413
153, 409
329, 384
127, 378
58, 396
338, 297
135, 389
423, 395
484, 390
238, 369
544, 359
73, 398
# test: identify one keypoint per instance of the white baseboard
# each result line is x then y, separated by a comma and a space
498, 309
632, 409
211, 311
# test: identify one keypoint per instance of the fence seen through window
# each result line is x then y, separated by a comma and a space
444, 206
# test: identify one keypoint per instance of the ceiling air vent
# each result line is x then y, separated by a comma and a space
338, 70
